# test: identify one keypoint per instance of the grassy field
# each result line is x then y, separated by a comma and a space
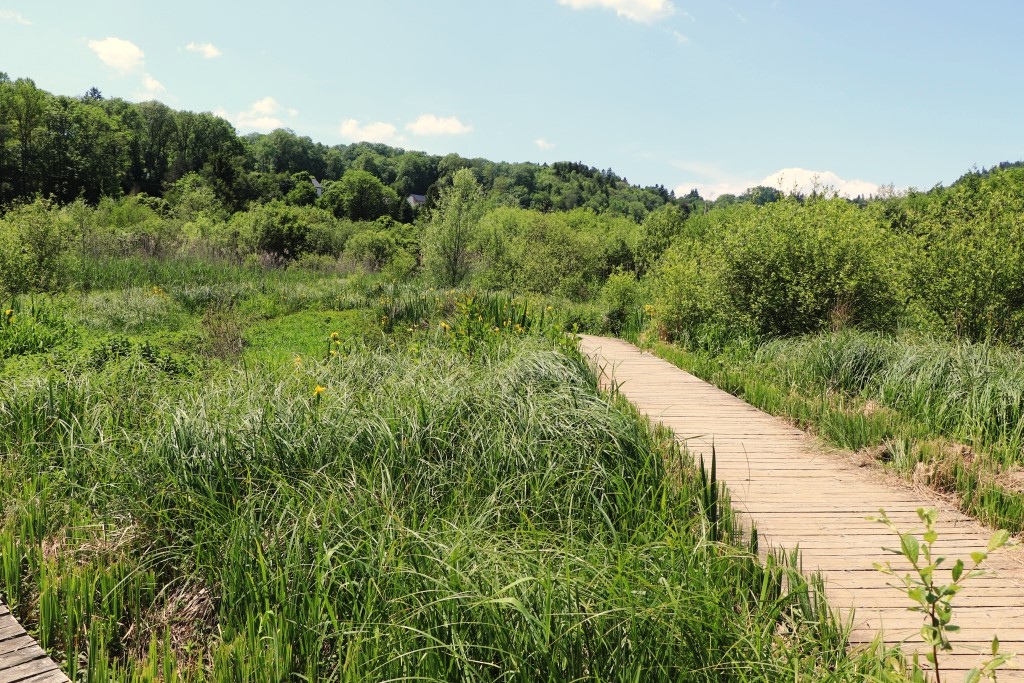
221, 474
946, 414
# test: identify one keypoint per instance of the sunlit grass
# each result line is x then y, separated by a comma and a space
948, 414
441, 502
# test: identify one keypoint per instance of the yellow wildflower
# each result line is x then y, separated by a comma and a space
445, 326
335, 336
318, 390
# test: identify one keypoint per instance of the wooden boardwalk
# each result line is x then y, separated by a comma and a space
21, 658
798, 493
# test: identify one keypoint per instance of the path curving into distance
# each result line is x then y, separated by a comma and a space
798, 495
21, 658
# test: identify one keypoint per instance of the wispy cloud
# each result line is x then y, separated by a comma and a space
429, 124
681, 38
544, 144
11, 15
260, 117
644, 11
736, 13
375, 131
152, 88
121, 55
207, 50
711, 182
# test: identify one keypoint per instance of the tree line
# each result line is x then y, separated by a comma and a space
87, 178
90, 147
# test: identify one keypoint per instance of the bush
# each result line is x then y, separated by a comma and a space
971, 279
373, 249
623, 299
785, 268
530, 251
38, 249
283, 231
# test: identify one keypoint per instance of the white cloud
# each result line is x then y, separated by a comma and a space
789, 180
544, 144
261, 116
265, 106
645, 11
801, 180
428, 124
207, 50
376, 131
10, 15
122, 55
153, 88
293, 112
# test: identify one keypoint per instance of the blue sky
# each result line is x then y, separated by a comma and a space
714, 95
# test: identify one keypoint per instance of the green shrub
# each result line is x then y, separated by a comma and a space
38, 249
969, 274
281, 230
623, 298
784, 268
373, 249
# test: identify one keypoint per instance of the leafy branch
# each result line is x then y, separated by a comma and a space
935, 600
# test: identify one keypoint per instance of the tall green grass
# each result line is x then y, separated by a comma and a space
948, 413
419, 509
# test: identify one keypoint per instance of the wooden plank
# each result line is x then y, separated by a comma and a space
801, 494
16, 674
21, 658
47, 677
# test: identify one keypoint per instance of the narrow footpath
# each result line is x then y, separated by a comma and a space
21, 659
799, 493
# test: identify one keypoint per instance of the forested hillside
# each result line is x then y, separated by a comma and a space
89, 147
89, 177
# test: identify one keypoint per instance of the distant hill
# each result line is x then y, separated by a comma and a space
90, 146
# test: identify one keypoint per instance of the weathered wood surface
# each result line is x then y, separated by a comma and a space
21, 658
801, 494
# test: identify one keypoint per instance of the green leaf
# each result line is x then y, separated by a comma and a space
917, 594
911, 548
930, 536
995, 645
978, 556
958, 570
972, 676
998, 539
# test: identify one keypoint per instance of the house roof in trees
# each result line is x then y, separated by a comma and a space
416, 200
